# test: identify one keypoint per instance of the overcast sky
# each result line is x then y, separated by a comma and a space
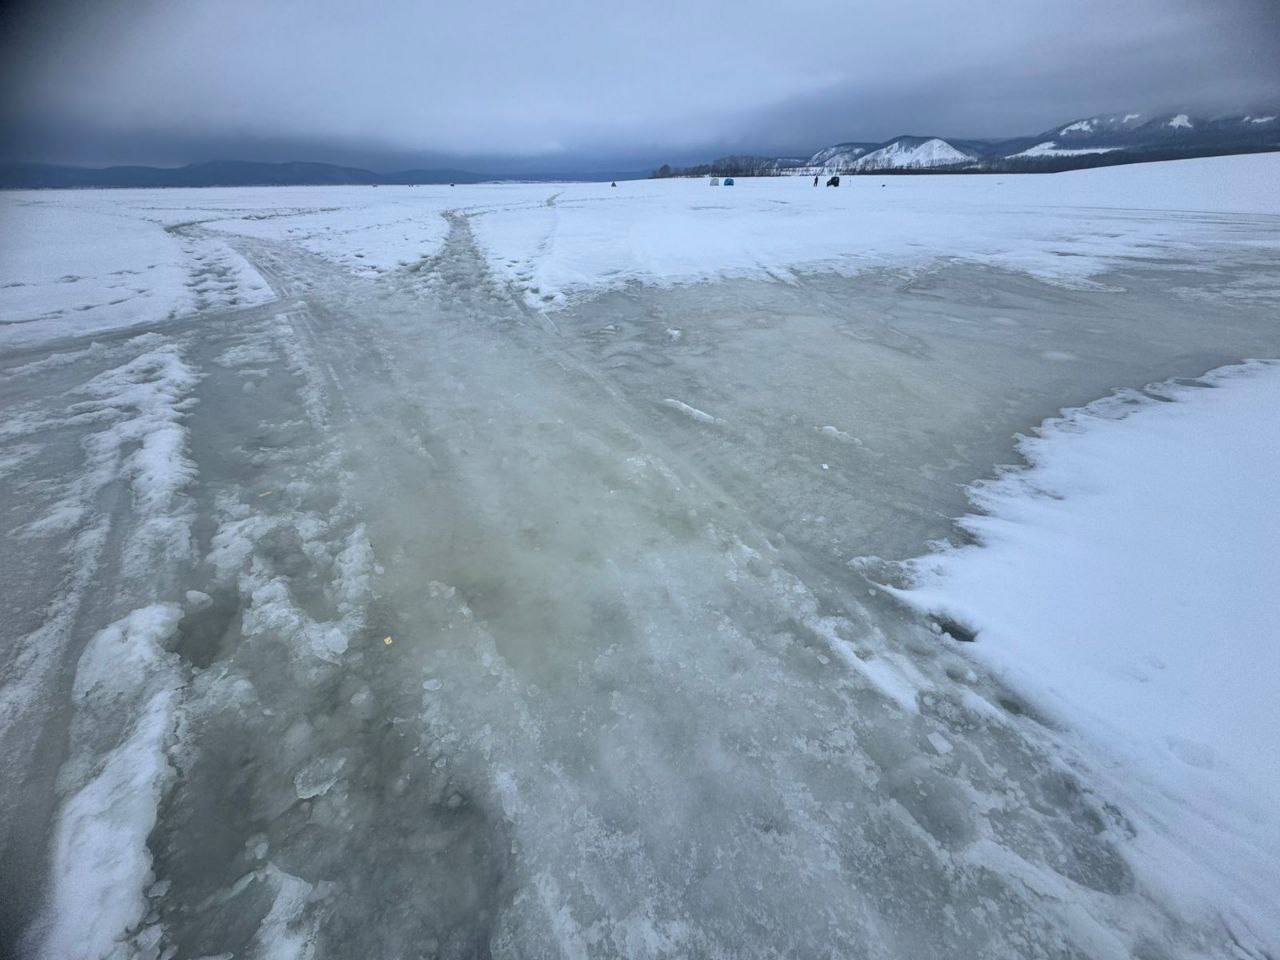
572, 83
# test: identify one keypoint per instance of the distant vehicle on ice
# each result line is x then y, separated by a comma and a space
834, 181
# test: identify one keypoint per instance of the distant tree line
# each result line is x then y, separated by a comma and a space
741, 166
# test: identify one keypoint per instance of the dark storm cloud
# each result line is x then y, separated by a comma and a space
399, 83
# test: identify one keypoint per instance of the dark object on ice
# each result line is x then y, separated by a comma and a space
815, 180
954, 629
728, 181
614, 184
834, 181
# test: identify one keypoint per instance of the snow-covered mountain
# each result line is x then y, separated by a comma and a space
840, 156
1156, 132
913, 153
902, 153
1087, 141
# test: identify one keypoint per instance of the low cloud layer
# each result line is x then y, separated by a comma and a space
570, 83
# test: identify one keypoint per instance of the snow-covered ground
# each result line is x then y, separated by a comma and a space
1051, 149
489, 570
73, 262
1127, 584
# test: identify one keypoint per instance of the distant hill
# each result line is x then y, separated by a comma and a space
1087, 142
218, 173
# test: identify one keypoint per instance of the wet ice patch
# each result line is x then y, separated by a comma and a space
241, 553
244, 355
129, 424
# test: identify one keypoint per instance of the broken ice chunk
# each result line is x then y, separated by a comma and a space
318, 776
939, 743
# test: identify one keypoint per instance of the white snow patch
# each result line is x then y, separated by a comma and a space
366, 232
941, 745
126, 691
1126, 582
74, 262
1181, 121
1050, 149
666, 231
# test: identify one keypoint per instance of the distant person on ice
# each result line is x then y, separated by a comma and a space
815, 179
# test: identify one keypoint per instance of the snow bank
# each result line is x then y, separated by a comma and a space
140, 410
1126, 583
126, 691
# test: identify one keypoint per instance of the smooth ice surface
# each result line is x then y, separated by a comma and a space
502, 577
1127, 583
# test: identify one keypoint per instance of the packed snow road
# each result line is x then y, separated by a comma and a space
384, 613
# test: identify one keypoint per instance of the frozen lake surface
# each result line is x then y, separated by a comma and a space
512, 570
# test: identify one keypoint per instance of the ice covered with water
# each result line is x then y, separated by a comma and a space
485, 585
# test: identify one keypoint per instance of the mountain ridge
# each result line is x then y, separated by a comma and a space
1101, 140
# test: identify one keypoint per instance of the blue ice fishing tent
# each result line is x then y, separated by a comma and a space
728, 181
715, 181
